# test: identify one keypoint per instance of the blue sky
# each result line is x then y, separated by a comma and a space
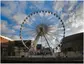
14, 12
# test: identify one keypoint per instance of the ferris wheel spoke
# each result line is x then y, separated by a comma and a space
39, 16
51, 36
56, 35
33, 21
50, 18
28, 29
40, 19
43, 41
50, 40
29, 33
43, 18
56, 39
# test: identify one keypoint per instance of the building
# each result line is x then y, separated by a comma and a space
11, 47
72, 46
20, 49
4, 41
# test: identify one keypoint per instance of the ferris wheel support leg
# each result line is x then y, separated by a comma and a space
48, 45
35, 41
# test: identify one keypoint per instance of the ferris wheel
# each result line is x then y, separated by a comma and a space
42, 27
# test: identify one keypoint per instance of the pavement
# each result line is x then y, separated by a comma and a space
41, 59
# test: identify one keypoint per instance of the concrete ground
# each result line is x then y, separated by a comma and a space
40, 59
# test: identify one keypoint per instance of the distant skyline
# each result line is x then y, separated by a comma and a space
14, 12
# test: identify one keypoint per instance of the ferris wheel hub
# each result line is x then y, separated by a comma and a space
42, 29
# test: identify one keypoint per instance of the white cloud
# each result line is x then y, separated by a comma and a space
5, 29
16, 27
19, 17
15, 10
73, 18
69, 6
58, 5
9, 8
38, 4
75, 22
6, 11
13, 7
66, 9
72, 4
22, 6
